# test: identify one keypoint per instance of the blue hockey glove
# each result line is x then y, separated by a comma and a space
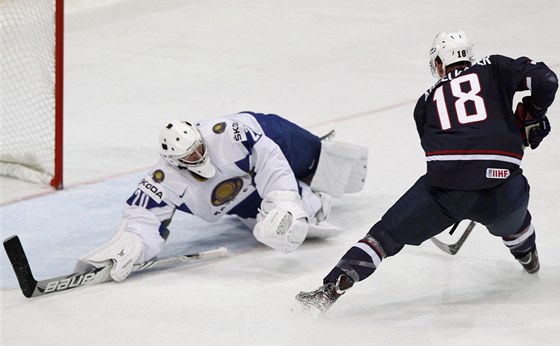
533, 130
536, 130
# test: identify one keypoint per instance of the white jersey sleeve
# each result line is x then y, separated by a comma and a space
151, 207
146, 225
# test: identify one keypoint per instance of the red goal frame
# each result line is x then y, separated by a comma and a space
57, 181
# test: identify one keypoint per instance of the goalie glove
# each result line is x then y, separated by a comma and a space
281, 222
121, 252
533, 129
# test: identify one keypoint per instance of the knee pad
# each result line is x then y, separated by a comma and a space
362, 259
389, 245
508, 226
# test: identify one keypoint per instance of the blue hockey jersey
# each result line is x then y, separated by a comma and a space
466, 122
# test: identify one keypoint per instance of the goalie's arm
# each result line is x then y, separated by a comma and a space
119, 254
139, 238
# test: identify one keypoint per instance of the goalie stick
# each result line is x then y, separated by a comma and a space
452, 249
30, 287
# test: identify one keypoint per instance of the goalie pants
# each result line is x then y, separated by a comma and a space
425, 211
300, 147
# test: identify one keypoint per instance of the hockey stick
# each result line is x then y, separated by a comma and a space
452, 249
30, 287
328, 136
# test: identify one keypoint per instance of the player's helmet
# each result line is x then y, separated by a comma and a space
450, 47
182, 145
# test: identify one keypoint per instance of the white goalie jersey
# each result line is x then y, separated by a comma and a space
277, 177
247, 163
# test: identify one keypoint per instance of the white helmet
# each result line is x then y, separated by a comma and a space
182, 145
450, 47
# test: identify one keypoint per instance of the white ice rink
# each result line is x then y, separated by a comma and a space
355, 66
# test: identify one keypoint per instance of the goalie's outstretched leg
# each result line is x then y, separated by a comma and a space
342, 168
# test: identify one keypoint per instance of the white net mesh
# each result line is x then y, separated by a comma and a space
27, 96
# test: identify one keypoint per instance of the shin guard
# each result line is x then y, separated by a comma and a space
362, 259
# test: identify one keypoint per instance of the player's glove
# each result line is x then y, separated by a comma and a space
533, 129
536, 130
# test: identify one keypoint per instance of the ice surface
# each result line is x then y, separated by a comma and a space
357, 66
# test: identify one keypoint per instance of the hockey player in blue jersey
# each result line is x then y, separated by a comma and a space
277, 177
473, 144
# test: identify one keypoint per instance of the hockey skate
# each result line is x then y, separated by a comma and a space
325, 296
530, 261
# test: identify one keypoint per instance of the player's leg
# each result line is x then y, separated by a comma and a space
522, 245
416, 216
511, 220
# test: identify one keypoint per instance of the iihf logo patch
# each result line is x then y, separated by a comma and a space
219, 128
497, 173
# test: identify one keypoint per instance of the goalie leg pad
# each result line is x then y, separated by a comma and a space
317, 205
357, 178
342, 168
322, 230
121, 252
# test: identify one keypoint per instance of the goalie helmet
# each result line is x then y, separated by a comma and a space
450, 47
182, 145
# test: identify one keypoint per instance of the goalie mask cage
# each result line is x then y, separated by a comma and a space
31, 88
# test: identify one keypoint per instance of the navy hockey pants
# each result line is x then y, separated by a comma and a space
425, 211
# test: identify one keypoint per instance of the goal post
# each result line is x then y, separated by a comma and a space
31, 90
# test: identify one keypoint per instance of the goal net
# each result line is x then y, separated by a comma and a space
31, 33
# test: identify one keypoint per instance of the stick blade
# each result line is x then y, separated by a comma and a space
452, 249
442, 246
20, 265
